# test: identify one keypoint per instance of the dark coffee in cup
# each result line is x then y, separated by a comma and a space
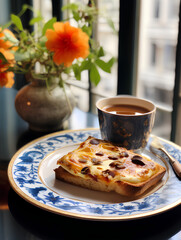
124, 109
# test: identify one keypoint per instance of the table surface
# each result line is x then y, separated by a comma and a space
21, 220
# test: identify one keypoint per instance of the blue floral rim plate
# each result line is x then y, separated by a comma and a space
31, 175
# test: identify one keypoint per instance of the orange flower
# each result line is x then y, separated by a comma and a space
6, 79
10, 58
6, 44
67, 43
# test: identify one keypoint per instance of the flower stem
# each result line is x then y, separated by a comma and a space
68, 101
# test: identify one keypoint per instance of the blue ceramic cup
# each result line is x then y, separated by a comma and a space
125, 128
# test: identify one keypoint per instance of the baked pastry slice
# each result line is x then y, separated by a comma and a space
99, 165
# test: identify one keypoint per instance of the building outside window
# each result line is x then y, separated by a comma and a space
157, 49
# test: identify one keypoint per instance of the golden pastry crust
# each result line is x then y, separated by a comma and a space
99, 165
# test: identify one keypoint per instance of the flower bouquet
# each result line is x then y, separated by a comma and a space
53, 49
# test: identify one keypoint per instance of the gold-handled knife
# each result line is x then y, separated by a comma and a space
175, 163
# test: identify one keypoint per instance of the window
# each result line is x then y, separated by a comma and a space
153, 71
158, 44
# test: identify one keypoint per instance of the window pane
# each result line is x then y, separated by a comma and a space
169, 56
45, 6
173, 9
109, 40
153, 54
156, 8
158, 38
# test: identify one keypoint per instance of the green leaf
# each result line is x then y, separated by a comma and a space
77, 71
25, 7
111, 24
85, 65
105, 66
42, 41
111, 62
101, 52
23, 36
49, 25
67, 70
2, 57
71, 6
21, 56
10, 37
94, 74
76, 16
35, 20
60, 83
87, 30
17, 21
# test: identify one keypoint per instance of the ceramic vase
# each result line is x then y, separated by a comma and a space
44, 108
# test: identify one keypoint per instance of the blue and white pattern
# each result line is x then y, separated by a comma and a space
25, 176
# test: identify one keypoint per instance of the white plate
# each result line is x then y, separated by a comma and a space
31, 174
